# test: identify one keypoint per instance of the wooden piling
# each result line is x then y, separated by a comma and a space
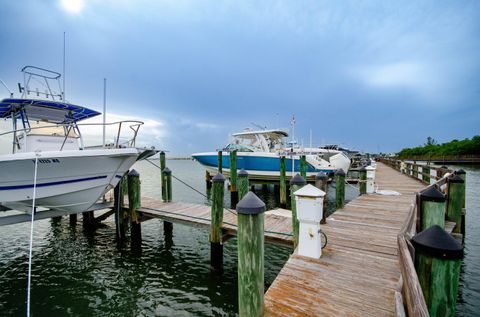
118, 209
220, 162
283, 182
303, 166
432, 203
162, 167
134, 203
296, 183
167, 180
216, 246
438, 261
243, 184
340, 188
88, 220
250, 256
73, 219
455, 194
463, 175
362, 178
321, 182
233, 178
426, 174
208, 180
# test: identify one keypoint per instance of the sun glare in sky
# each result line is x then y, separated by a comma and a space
73, 6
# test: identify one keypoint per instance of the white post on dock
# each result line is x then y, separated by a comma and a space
370, 179
309, 201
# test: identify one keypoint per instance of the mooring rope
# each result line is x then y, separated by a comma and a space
31, 237
192, 188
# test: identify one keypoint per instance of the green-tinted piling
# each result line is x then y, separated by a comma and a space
426, 174
362, 177
438, 261
167, 180
233, 178
216, 246
208, 180
463, 175
303, 166
340, 188
432, 208
296, 183
118, 209
250, 256
243, 183
134, 203
455, 194
163, 164
283, 182
321, 182
220, 162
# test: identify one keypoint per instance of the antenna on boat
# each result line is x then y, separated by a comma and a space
310, 138
63, 93
6, 87
104, 108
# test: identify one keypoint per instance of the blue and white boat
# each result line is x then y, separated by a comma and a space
258, 152
49, 161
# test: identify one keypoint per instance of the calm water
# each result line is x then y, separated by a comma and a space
77, 273
468, 303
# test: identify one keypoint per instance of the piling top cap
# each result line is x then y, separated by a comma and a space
133, 173
321, 176
250, 205
455, 179
167, 171
340, 172
460, 171
431, 193
437, 243
309, 191
242, 173
297, 180
219, 178
370, 168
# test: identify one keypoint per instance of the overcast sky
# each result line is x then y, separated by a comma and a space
370, 75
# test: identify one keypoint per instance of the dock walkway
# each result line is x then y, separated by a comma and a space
278, 229
358, 273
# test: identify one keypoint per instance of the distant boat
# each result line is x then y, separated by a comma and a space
259, 152
70, 176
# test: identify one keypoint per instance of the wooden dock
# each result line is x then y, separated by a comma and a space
358, 273
278, 228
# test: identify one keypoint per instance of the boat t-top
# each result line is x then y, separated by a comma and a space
259, 152
46, 137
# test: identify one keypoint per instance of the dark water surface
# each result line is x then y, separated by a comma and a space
468, 302
78, 273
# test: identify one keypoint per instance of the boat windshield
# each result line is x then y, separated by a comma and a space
256, 142
47, 129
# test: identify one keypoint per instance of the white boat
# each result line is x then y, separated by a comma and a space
47, 134
258, 152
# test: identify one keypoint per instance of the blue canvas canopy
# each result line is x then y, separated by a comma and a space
51, 111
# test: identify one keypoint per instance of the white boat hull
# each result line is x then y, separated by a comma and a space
71, 181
